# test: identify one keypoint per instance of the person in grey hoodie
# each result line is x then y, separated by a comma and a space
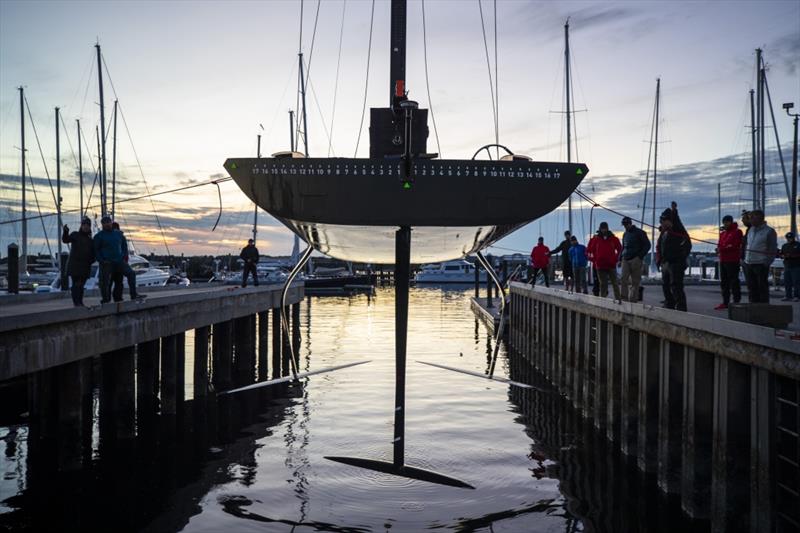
761, 250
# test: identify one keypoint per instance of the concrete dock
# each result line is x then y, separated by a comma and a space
706, 405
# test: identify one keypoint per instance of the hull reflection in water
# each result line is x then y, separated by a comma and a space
256, 460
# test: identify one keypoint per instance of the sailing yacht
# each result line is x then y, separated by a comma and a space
350, 208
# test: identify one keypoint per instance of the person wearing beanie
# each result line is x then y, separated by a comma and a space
566, 265
108, 250
249, 255
635, 246
729, 248
603, 251
673, 250
540, 261
81, 257
762, 248
790, 253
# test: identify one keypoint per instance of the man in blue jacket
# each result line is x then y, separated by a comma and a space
578, 260
108, 250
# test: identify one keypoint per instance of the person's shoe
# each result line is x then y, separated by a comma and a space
786, 299
720, 307
797, 299
104, 302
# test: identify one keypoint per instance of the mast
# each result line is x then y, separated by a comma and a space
754, 141
655, 171
99, 176
80, 167
303, 100
255, 205
569, 113
23, 260
114, 167
58, 201
291, 129
762, 178
102, 170
397, 55
719, 204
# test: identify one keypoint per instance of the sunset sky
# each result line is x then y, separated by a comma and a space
197, 81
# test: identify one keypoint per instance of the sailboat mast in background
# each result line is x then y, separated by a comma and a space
23, 260
568, 90
102, 139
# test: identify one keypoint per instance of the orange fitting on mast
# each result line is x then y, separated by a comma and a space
400, 88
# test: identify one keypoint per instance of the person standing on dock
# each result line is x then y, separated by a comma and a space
603, 251
109, 253
635, 246
578, 260
127, 271
566, 265
81, 257
249, 255
540, 261
729, 248
762, 248
790, 252
674, 246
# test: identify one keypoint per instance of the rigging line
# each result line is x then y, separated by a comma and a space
336, 82
41, 153
130, 199
649, 155
78, 88
88, 82
642, 222
219, 215
321, 116
427, 83
489, 68
69, 142
496, 87
141, 171
313, 38
39, 209
366, 82
297, 92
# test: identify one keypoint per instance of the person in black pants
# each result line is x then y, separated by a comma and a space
81, 257
674, 246
250, 256
729, 248
762, 248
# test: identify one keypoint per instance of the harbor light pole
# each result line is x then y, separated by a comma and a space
793, 207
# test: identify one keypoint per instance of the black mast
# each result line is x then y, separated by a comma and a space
397, 68
102, 169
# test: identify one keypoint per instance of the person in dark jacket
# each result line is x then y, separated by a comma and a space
790, 253
250, 256
81, 257
635, 246
729, 248
566, 264
127, 271
109, 254
674, 246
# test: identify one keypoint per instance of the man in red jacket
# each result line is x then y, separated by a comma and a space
603, 251
540, 260
729, 248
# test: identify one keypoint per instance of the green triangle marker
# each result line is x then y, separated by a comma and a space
233, 166
579, 172
406, 185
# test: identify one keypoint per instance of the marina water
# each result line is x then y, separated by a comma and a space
256, 462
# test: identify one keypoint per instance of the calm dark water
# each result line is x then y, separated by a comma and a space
255, 461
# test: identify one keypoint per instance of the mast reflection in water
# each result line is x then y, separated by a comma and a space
255, 460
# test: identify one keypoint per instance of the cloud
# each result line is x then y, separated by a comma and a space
785, 51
